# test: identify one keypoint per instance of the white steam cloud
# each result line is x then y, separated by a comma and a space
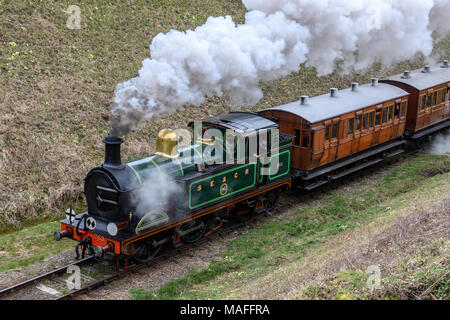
156, 192
441, 143
221, 58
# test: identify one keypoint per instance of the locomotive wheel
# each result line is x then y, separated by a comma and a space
194, 235
271, 201
145, 251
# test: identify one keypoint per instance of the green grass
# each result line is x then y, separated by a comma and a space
30, 245
286, 239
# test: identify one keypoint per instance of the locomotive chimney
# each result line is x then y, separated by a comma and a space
112, 151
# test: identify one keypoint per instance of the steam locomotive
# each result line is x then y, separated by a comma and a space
304, 144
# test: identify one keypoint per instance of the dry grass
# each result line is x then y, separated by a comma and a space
56, 85
410, 243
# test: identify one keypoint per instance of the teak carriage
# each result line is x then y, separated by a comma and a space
429, 105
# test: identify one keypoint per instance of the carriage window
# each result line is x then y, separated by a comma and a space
434, 98
378, 118
397, 110
358, 123
297, 137
429, 100
443, 96
402, 112
327, 133
422, 102
305, 139
334, 130
350, 126
371, 115
365, 121
384, 115
391, 110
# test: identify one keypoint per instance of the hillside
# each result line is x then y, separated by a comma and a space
57, 84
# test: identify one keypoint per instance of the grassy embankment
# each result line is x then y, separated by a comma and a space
397, 219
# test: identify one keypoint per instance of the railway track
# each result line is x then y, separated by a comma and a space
53, 285
95, 274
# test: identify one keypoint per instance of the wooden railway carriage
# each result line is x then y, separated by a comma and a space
429, 105
341, 132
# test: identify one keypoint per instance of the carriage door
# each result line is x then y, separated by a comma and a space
428, 109
396, 119
377, 130
334, 140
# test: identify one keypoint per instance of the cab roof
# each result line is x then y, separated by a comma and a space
241, 122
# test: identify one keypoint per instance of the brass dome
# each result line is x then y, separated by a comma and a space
166, 144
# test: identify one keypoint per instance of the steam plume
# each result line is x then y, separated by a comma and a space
441, 143
158, 189
221, 58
